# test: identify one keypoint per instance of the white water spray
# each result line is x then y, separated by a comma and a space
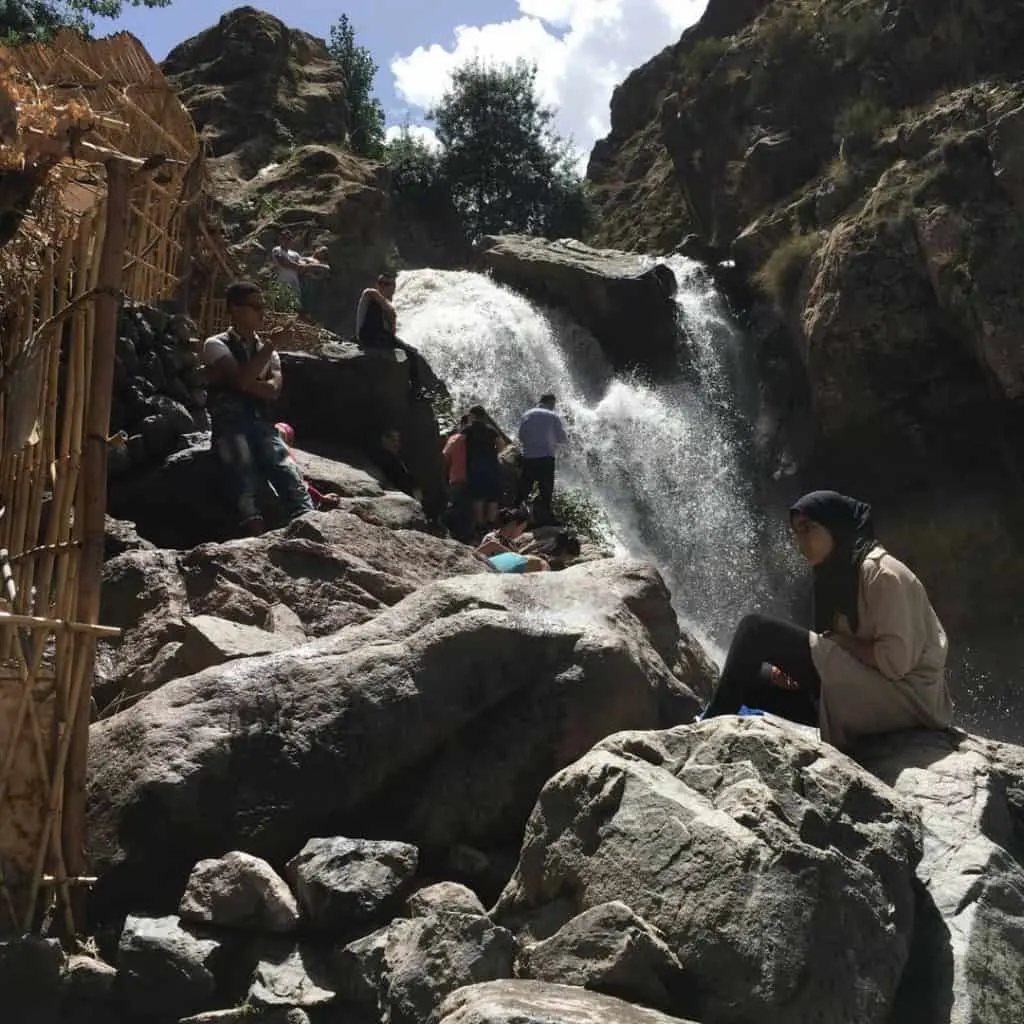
663, 460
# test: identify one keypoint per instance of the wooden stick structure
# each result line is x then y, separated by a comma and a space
93, 121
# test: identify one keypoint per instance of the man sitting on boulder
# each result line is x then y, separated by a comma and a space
243, 379
376, 323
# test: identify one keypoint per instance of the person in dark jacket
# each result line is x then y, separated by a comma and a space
483, 470
389, 458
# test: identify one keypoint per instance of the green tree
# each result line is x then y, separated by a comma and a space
23, 20
415, 167
366, 115
506, 167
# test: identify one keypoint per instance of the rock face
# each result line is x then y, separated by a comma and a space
274, 105
779, 873
533, 670
184, 611
864, 161
625, 303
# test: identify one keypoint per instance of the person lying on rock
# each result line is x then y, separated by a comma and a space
499, 547
377, 324
243, 379
875, 660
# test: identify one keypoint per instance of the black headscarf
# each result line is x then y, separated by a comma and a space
837, 579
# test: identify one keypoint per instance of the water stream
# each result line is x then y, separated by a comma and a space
667, 461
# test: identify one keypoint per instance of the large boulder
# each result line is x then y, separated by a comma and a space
969, 929
533, 1002
625, 301
380, 728
779, 873
183, 611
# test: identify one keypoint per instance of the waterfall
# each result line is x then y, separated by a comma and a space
665, 460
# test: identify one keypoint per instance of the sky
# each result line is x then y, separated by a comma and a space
583, 48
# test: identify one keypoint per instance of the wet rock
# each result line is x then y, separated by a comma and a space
627, 304
239, 891
343, 884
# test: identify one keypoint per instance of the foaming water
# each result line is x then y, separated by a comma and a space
666, 461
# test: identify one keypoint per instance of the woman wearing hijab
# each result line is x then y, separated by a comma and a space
875, 660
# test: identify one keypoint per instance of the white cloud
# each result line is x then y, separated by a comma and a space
582, 48
420, 132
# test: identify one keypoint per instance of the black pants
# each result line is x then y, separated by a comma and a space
540, 472
760, 642
412, 357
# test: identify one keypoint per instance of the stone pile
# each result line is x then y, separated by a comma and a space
158, 395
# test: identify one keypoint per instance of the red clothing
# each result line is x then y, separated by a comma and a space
454, 454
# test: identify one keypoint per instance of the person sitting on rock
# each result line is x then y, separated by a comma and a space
243, 379
499, 546
389, 458
290, 265
319, 499
484, 482
875, 660
376, 326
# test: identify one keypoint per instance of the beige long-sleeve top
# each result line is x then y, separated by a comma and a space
908, 689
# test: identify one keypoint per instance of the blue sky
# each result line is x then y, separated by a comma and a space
582, 47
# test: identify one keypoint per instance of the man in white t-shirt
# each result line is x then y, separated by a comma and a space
243, 379
287, 263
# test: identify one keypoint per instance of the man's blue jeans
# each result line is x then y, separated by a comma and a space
252, 451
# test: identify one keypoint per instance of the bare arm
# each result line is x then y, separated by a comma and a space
282, 259
491, 547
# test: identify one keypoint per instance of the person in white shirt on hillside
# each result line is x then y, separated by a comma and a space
290, 265
540, 433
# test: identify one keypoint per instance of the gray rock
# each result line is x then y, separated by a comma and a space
164, 969
254, 753
248, 1014
428, 958
87, 979
779, 872
239, 890
609, 949
969, 932
298, 976
626, 303
30, 975
361, 970
343, 884
445, 897
533, 1002
208, 640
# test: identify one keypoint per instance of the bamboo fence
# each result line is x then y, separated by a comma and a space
80, 246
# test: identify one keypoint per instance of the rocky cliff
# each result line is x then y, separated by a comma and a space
864, 164
272, 104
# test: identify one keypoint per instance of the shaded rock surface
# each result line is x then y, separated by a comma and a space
779, 873
533, 1002
239, 891
532, 670
345, 884
625, 303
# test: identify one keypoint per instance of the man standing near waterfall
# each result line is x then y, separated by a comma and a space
540, 433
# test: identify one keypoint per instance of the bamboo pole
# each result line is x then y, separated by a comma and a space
94, 506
